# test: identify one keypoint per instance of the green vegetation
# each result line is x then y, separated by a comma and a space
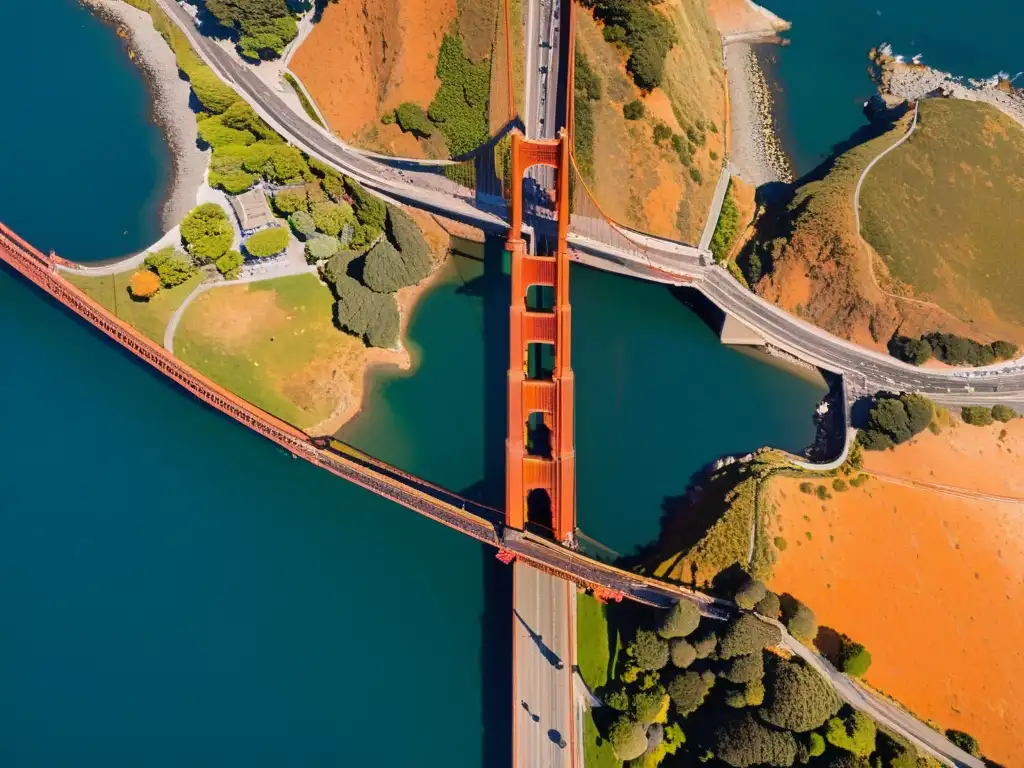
407, 262
799, 619
366, 313
302, 224
950, 349
648, 34
149, 317
265, 27
1003, 413
459, 107
965, 741
268, 242
854, 658
207, 232
854, 732
172, 266
230, 264
976, 415
894, 420
680, 621
588, 89
307, 105
320, 248
412, 119
928, 210
750, 593
332, 218
634, 110
727, 229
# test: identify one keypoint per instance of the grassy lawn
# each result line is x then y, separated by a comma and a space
274, 344
939, 210
151, 316
595, 664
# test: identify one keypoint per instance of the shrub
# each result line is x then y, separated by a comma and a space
873, 440
1003, 413
288, 201
213, 94
681, 620
618, 700
821, 492
748, 595
213, 131
412, 119
155, 259
854, 733
854, 658
226, 170
634, 110
727, 229
689, 689
388, 269
780, 543
207, 232
815, 745
268, 242
913, 351
806, 487
174, 271
965, 741
696, 175
1004, 350
588, 89
661, 132
321, 247
388, 118
143, 285
748, 634
230, 264
754, 693
613, 33
302, 224
242, 117
746, 742
705, 644
797, 698
647, 704
276, 162
649, 650
331, 218
839, 485
370, 211
627, 737
799, 620
460, 105
977, 415
858, 481
682, 653
745, 669
648, 34
768, 605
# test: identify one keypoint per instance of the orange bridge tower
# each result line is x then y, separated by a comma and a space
540, 448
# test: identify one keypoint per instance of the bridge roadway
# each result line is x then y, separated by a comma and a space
654, 258
476, 521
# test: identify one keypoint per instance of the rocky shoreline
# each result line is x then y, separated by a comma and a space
171, 108
900, 81
756, 154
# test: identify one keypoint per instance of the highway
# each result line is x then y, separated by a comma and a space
661, 260
543, 678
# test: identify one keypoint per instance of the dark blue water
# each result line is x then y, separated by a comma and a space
823, 72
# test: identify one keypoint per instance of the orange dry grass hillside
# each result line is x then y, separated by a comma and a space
737, 17
368, 56
931, 583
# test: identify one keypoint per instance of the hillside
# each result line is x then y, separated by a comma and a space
363, 60
810, 260
658, 172
928, 210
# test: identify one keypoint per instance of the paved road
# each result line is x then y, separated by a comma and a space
663, 261
543, 670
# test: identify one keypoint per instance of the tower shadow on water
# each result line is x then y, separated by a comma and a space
493, 287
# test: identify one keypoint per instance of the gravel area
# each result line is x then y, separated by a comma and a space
755, 154
171, 110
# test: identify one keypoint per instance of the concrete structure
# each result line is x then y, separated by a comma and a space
738, 333
253, 210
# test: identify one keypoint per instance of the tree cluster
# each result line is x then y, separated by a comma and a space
412, 119
459, 107
980, 416
648, 34
362, 312
894, 420
172, 265
957, 350
265, 27
588, 89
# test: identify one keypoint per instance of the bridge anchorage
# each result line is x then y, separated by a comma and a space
540, 447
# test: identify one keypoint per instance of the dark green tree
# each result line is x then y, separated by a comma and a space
965, 741
769, 605
889, 416
743, 742
689, 689
1003, 413
649, 650
634, 110
412, 119
797, 698
680, 621
748, 634
682, 653
647, 704
750, 593
799, 620
854, 658
977, 415
919, 412
745, 669
705, 644
388, 269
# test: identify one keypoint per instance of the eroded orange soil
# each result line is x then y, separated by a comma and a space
368, 56
931, 583
734, 17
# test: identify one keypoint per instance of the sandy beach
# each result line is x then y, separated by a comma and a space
170, 110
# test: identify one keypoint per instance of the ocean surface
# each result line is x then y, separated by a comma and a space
178, 591
822, 76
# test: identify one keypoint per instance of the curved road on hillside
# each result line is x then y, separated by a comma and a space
664, 261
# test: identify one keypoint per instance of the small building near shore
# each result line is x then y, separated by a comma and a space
253, 210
